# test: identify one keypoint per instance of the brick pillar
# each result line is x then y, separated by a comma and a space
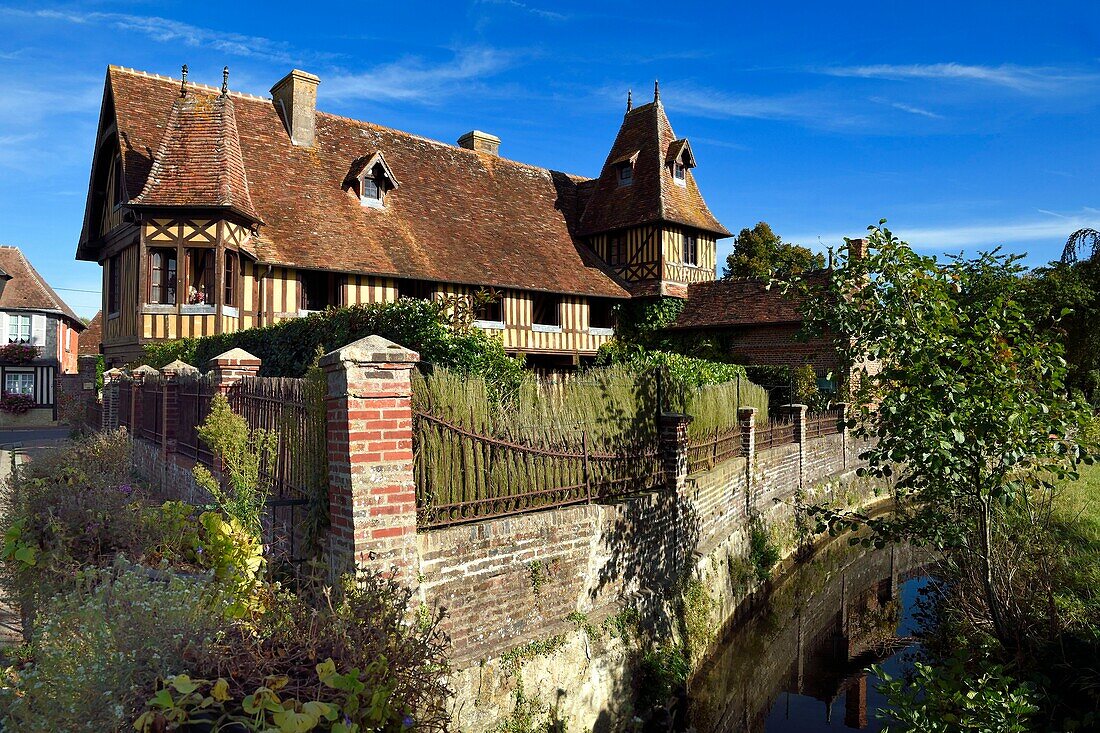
372, 490
233, 366
672, 433
797, 415
746, 416
112, 382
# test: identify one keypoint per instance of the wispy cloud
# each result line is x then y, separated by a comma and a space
1051, 226
1028, 79
166, 30
909, 108
539, 12
413, 79
813, 110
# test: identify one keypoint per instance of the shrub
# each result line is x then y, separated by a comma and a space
101, 647
360, 640
18, 353
16, 404
242, 452
764, 552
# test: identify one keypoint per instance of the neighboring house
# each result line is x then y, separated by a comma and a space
756, 323
92, 338
33, 315
213, 211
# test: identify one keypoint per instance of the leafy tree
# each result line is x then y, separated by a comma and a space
759, 252
960, 395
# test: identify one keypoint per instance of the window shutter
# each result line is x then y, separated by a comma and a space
38, 330
3, 328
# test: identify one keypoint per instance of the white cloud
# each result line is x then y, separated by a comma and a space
713, 103
1028, 79
1053, 226
166, 30
916, 110
413, 79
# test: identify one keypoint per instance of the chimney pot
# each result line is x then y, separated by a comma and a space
295, 97
480, 141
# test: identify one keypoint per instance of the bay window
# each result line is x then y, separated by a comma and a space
162, 276
19, 329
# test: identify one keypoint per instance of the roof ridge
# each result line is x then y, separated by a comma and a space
190, 84
659, 109
49, 292
450, 146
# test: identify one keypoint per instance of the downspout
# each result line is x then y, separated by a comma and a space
261, 317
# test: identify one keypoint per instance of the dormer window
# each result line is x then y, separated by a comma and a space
679, 158
372, 179
626, 174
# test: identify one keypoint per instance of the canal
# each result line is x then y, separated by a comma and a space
796, 659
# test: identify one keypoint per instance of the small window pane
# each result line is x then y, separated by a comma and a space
691, 250
19, 383
371, 190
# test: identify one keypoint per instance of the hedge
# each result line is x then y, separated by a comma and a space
288, 348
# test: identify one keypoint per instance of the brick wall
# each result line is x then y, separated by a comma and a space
779, 345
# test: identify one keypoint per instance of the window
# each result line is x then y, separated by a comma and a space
415, 289
200, 284
626, 174
162, 276
679, 174
68, 338
114, 285
231, 270
616, 249
320, 290
546, 310
19, 329
370, 192
19, 383
601, 313
490, 307
691, 250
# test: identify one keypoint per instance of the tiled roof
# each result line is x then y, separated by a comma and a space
92, 336
727, 303
459, 216
26, 290
198, 162
653, 195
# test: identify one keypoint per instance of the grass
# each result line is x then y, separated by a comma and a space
1077, 524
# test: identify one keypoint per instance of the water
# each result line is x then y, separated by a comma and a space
797, 659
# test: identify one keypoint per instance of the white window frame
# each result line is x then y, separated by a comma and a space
15, 321
694, 246
679, 174
23, 382
375, 202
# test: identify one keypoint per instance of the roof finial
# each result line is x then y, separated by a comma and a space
629, 101
183, 82
656, 91
225, 81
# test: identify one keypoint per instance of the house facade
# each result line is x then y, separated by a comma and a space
39, 340
213, 211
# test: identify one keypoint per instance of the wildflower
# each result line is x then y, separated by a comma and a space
126, 489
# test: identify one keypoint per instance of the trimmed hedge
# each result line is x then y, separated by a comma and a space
288, 348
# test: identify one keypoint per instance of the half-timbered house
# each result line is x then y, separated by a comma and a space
212, 211
39, 340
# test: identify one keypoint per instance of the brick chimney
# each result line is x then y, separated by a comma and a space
857, 248
295, 97
480, 141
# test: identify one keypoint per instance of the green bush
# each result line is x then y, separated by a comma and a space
101, 647
764, 551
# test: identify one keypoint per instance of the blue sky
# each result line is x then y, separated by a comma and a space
965, 124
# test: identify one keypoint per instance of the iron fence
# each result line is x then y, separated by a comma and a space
774, 433
462, 476
829, 422
193, 405
707, 451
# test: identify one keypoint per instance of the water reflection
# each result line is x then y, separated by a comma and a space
795, 661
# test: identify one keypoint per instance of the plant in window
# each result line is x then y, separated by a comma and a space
18, 353
16, 404
195, 296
